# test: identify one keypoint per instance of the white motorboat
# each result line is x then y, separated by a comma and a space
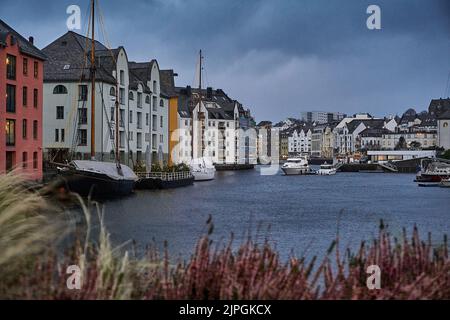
203, 169
327, 170
296, 166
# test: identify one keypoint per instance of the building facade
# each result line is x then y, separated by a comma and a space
443, 132
300, 141
321, 117
21, 75
142, 115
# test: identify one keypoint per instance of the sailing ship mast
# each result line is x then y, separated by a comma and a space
93, 69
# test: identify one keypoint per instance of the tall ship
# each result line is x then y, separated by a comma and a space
93, 177
202, 168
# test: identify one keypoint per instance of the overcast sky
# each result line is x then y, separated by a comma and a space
277, 57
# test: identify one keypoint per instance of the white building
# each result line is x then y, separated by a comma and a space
443, 132
348, 138
390, 155
67, 115
215, 129
300, 141
420, 139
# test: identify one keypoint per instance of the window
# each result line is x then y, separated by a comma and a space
139, 140
139, 100
112, 91
122, 77
24, 128
25, 66
63, 135
131, 95
35, 130
24, 96
154, 103
445, 124
147, 99
139, 120
112, 113
82, 116
35, 98
56, 135
60, 112
161, 103
60, 89
122, 96
154, 122
10, 160
35, 160
82, 137
130, 136
147, 119
11, 67
161, 121
10, 98
36, 69
154, 86
131, 116
10, 132
82, 92
154, 141
161, 139
24, 160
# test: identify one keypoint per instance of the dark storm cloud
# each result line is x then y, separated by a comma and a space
279, 57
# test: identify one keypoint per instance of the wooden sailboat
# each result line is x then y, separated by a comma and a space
202, 168
92, 177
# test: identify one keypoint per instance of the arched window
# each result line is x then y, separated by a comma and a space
60, 89
161, 103
131, 96
445, 124
112, 92
147, 99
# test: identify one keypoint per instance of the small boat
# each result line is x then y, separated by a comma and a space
327, 170
99, 179
164, 180
433, 175
445, 183
296, 166
203, 169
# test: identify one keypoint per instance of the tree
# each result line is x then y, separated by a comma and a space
401, 145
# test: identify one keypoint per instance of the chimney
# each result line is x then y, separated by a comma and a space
31, 40
209, 93
189, 91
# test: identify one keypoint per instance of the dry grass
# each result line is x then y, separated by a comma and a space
31, 269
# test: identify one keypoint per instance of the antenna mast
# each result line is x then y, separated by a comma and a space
93, 81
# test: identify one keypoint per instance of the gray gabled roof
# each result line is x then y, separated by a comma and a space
25, 46
167, 80
68, 59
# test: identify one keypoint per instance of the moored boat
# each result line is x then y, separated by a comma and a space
98, 179
433, 175
202, 169
296, 166
327, 170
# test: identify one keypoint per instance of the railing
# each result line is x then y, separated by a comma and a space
166, 176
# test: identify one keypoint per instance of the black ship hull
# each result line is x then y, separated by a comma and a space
96, 185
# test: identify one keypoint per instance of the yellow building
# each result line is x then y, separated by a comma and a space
167, 78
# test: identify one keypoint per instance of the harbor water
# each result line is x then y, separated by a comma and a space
299, 214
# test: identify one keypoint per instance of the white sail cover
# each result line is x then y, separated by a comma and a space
106, 168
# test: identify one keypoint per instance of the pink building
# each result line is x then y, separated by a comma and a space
21, 95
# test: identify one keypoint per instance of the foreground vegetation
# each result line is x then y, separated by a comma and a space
31, 266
